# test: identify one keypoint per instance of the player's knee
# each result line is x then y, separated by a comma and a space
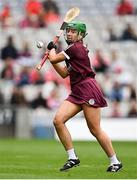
58, 121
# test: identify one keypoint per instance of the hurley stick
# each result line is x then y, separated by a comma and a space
70, 15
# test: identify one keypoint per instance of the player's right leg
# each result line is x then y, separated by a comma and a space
66, 111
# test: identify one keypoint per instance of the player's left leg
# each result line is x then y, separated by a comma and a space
92, 116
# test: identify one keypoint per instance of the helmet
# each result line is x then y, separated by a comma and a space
79, 26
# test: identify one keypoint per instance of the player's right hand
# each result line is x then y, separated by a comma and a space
51, 45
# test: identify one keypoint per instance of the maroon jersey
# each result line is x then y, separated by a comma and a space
78, 62
83, 85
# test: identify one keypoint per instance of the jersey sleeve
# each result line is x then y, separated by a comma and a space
71, 52
75, 51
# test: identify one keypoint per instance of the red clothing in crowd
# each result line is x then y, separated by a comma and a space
125, 7
5, 12
33, 7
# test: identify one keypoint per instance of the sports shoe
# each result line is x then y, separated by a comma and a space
114, 167
70, 163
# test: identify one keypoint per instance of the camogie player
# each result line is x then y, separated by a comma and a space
85, 95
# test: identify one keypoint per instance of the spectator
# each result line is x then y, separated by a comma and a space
25, 52
23, 77
133, 109
51, 11
51, 17
34, 15
125, 7
111, 34
99, 62
50, 5
7, 72
17, 97
9, 51
116, 93
129, 33
29, 21
36, 77
5, 16
39, 102
33, 7
133, 95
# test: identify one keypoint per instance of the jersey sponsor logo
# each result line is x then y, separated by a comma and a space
91, 101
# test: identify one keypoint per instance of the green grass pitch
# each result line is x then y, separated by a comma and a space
41, 159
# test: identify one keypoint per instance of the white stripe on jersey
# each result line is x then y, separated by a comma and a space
69, 46
65, 55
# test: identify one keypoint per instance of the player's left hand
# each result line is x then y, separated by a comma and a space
51, 45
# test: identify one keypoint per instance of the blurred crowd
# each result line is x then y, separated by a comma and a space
22, 85
37, 14
116, 82
125, 7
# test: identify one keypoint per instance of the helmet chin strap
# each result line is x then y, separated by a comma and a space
80, 36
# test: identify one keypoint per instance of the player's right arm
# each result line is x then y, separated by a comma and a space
55, 59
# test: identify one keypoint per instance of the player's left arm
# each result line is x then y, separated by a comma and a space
56, 57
